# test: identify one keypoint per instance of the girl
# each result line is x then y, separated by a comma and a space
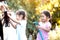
20, 24
8, 30
44, 26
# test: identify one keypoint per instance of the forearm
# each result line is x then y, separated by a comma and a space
46, 29
15, 21
13, 25
43, 28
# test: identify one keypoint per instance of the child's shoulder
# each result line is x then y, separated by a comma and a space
48, 23
23, 21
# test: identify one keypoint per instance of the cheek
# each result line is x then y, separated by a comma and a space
45, 18
17, 17
21, 16
42, 17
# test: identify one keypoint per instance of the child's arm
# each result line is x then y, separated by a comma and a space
14, 25
14, 20
44, 28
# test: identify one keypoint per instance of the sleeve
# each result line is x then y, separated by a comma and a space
48, 25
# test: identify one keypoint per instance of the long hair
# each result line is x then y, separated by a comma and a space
6, 19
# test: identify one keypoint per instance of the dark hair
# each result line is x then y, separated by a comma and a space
0, 22
1, 29
6, 19
21, 13
46, 13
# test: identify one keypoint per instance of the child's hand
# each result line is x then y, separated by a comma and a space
9, 14
38, 27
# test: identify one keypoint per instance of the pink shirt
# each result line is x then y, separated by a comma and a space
44, 33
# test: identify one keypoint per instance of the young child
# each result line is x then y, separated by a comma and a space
43, 26
20, 24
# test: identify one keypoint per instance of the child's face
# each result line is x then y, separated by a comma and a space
43, 17
19, 17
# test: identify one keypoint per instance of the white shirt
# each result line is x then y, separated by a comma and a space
9, 33
21, 30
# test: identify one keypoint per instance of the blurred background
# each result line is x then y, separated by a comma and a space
34, 8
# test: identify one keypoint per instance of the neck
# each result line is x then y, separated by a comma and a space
45, 21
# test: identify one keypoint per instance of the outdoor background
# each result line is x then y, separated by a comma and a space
33, 8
